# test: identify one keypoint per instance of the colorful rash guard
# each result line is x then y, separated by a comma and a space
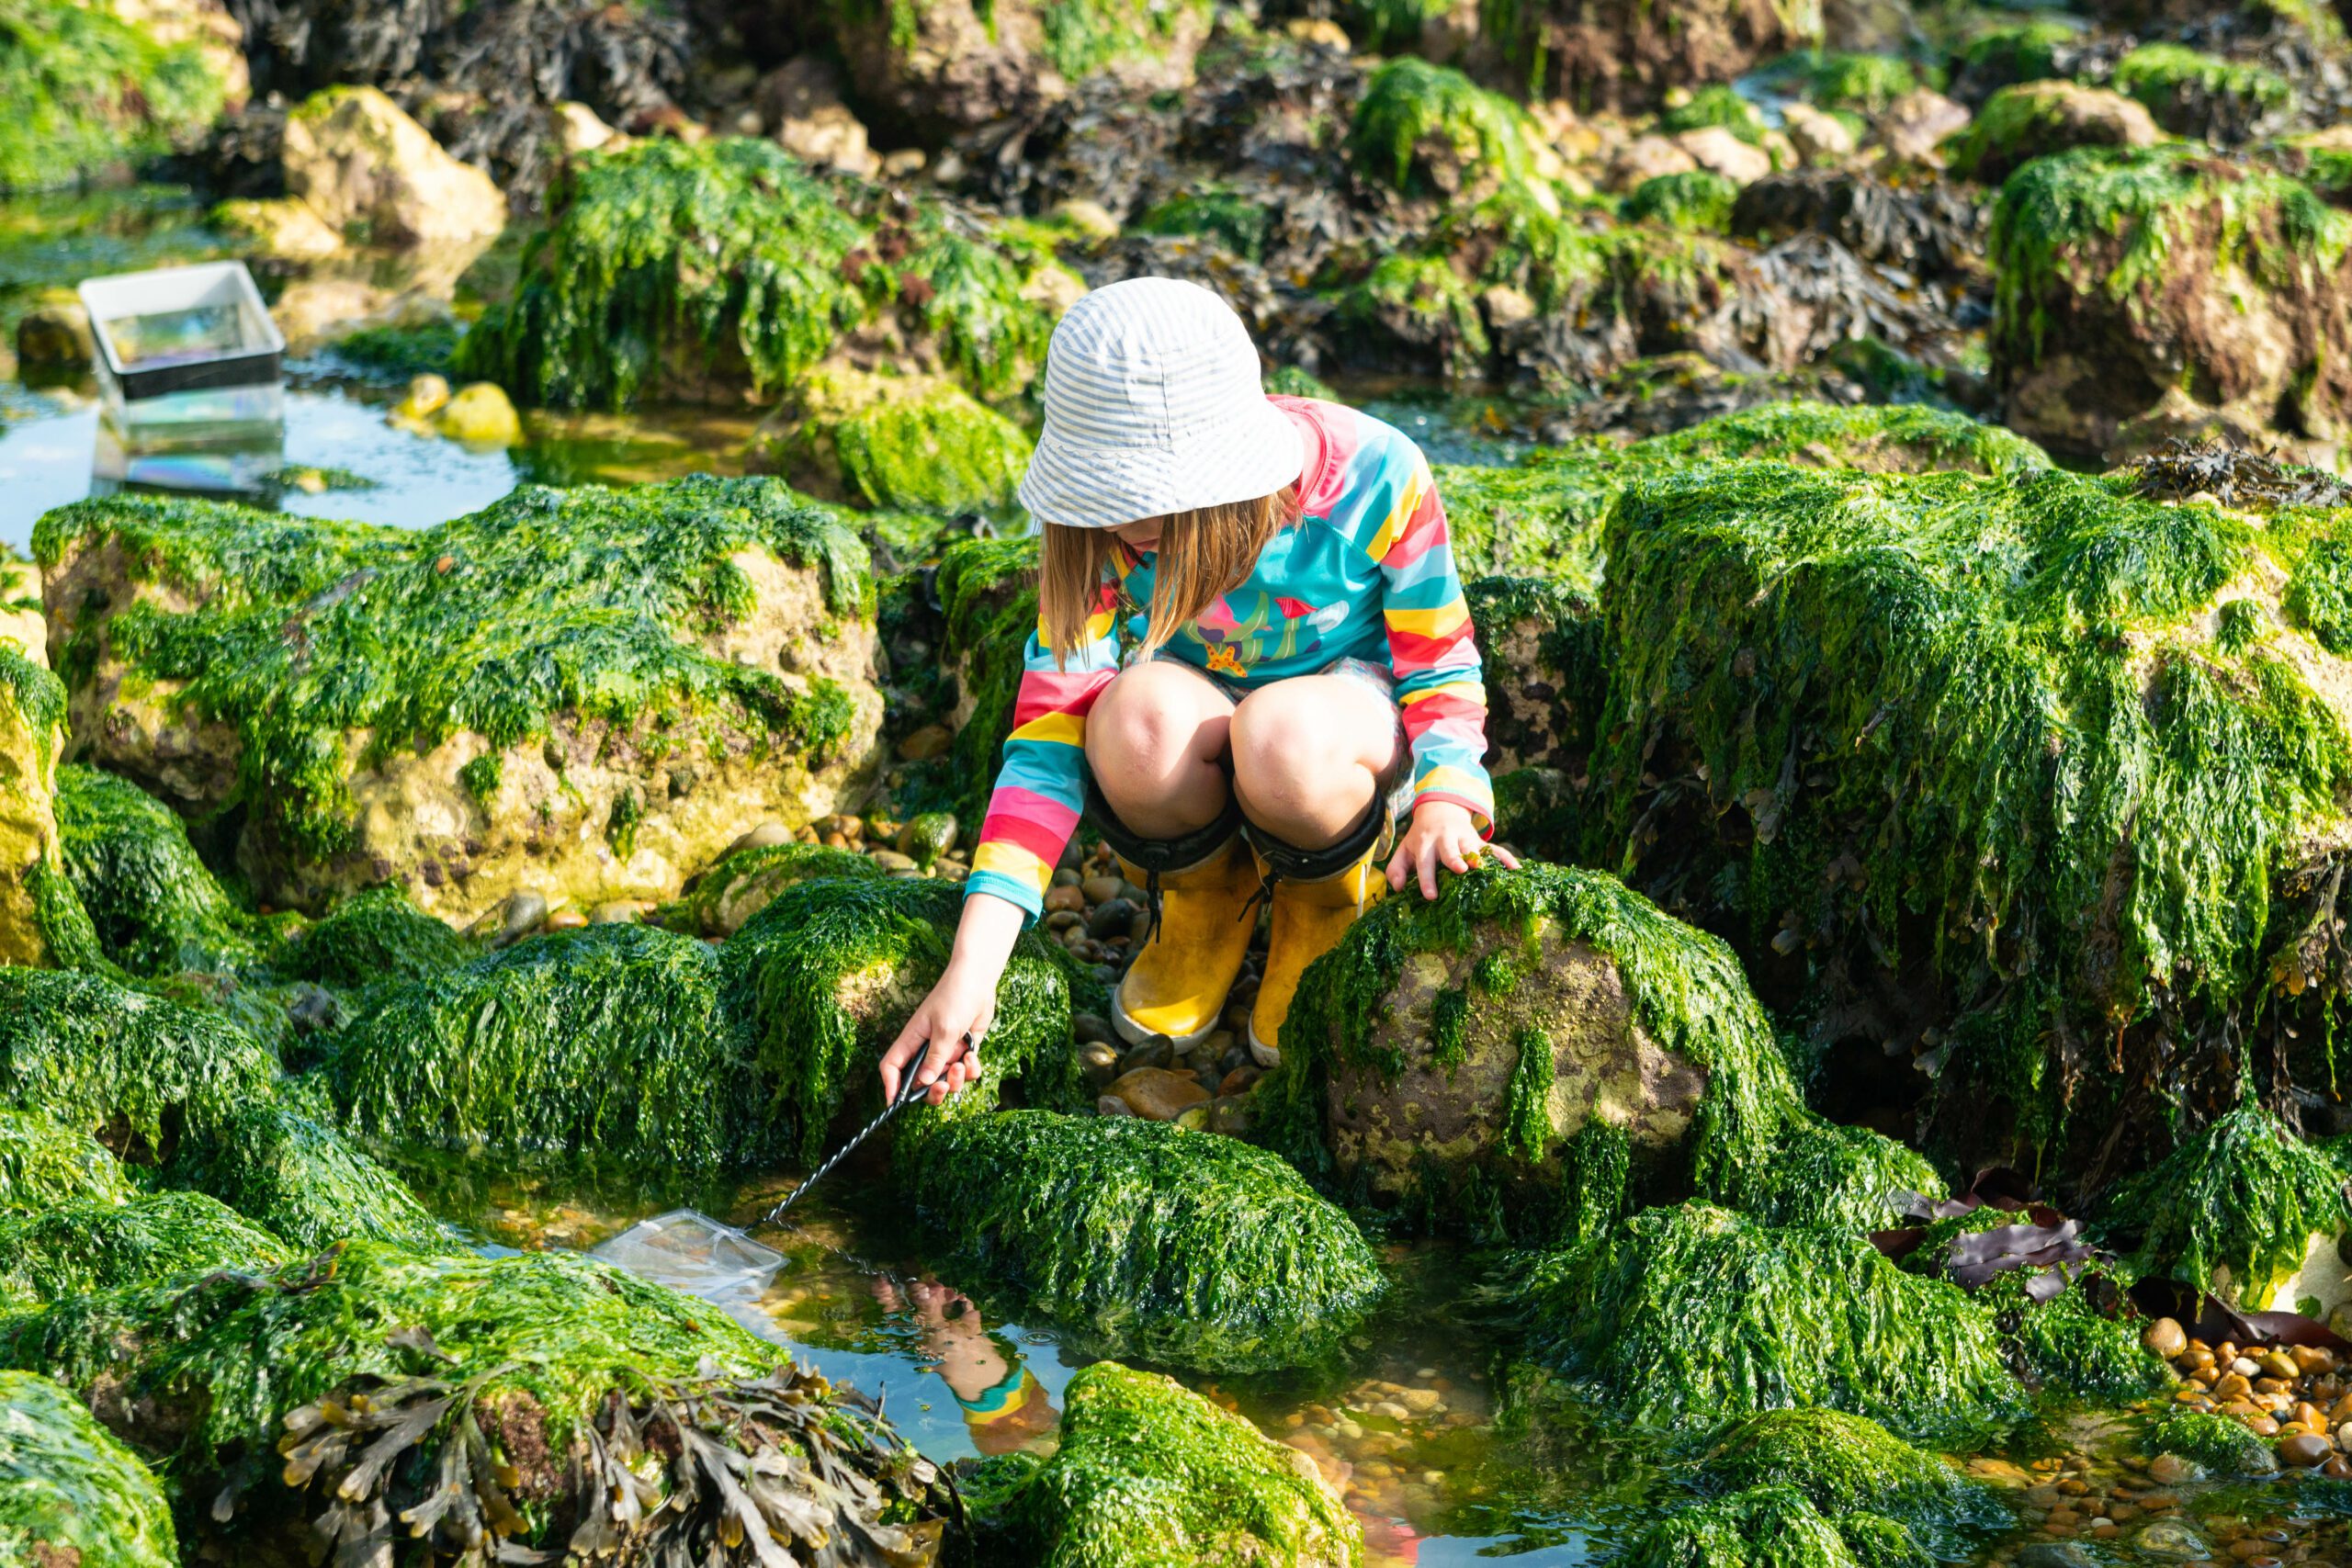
1368, 573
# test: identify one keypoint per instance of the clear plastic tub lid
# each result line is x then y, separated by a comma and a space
693, 1253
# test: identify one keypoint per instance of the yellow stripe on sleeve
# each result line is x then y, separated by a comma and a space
1408, 501
1062, 728
1468, 690
1014, 862
1453, 781
1428, 623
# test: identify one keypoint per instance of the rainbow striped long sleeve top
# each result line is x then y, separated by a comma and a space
1368, 573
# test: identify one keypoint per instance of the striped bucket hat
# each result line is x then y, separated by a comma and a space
1153, 405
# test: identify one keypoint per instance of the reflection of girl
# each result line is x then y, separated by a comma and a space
1005, 1407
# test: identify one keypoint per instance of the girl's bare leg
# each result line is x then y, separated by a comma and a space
1156, 744
1307, 755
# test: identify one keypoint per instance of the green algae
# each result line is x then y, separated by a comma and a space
1149, 1474
1844, 1464
1177, 1248
296, 1176
1233, 219
431, 348
1684, 987
1697, 200
1083, 37
304, 631
374, 937
2068, 1346
1414, 115
69, 1493
2024, 51
1849, 1179
741, 881
43, 1164
83, 93
823, 978
81, 1247
156, 908
2243, 1195
989, 590
606, 1041
1431, 301
1773, 1526
2217, 1444
918, 444
1695, 1312
1715, 108
2176, 82
2006, 679
1839, 80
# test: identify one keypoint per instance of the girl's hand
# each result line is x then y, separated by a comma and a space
1443, 834
955, 1017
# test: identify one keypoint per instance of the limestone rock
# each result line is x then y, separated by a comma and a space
1713, 147
280, 228
1818, 138
1916, 124
35, 897
800, 103
564, 732
1646, 158
578, 128
369, 172
1629, 54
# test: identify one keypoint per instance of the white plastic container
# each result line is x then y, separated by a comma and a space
696, 1254
186, 358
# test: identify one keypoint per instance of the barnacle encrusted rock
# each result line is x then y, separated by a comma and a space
581, 694
1146, 1239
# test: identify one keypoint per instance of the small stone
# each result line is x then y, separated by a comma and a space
2170, 1538
618, 912
842, 822
525, 911
1156, 1094
2171, 1469
767, 835
1089, 1027
2054, 1555
2166, 1337
1109, 918
1155, 1052
480, 415
927, 836
2304, 1451
1102, 890
1422, 1401
932, 740
2274, 1364
1063, 922
1112, 1105
566, 921
1230, 1116
1100, 1063
2247, 1367
1068, 899
1240, 1080
893, 861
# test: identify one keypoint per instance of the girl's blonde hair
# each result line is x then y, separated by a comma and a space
1203, 553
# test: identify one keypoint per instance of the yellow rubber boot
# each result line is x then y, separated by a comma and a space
1309, 920
1178, 984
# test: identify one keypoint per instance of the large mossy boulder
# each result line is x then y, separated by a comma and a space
1146, 1239
71, 1495
581, 694
375, 938
1694, 1313
2034, 119
705, 273
94, 1246
1774, 1527
826, 974
1149, 1474
1846, 1464
1977, 772
295, 1174
157, 910
606, 1043
44, 1164
84, 93
900, 443
2169, 292
530, 1391
41, 921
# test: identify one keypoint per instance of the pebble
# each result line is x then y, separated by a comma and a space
1111, 919
2280, 1366
930, 740
892, 861
2170, 1538
1230, 1115
1155, 1052
566, 919
2304, 1450
524, 913
1102, 890
1068, 899
1066, 876
2166, 1337
1156, 1094
1240, 1079
618, 912
2247, 1367
767, 835
1112, 1105
1099, 1062
1089, 1027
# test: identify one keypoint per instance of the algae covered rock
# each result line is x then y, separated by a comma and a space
914, 442
606, 1042
540, 1382
746, 881
2216, 1444
1149, 1474
157, 910
1774, 1527
1450, 1053
84, 93
41, 921
825, 976
299, 1177
2034, 119
1174, 1247
376, 937
84, 1245
2234, 1209
44, 1164
2170, 291
583, 694
1844, 1464
69, 1493
1694, 1313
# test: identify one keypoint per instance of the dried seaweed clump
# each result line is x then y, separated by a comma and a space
1846, 1464
597, 602
475, 1402
69, 1493
88, 1245
43, 1164
824, 977
1177, 1247
607, 1041
1694, 1313
2233, 1208
1149, 1474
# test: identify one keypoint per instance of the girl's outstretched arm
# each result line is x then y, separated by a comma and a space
957, 1014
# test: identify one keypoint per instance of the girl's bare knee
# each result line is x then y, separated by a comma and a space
1149, 722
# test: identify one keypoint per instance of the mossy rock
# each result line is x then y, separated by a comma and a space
69, 1493
2217, 1444
1715, 108
2145, 294
721, 899
2185, 89
583, 694
823, 978
606, 1042
1846, 1464
989, 588
1150, 1241
41, 922
704, 272
1448, 1058
1774, 1527
550, 1358
84, 1245
1697, 200
84, 94
44, 1164
374, 938
2234, 1209
156, 908
298, 1177
904, 443
2034, 119
1835, 663
1426, 130
1693, 1314
1149, 1474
